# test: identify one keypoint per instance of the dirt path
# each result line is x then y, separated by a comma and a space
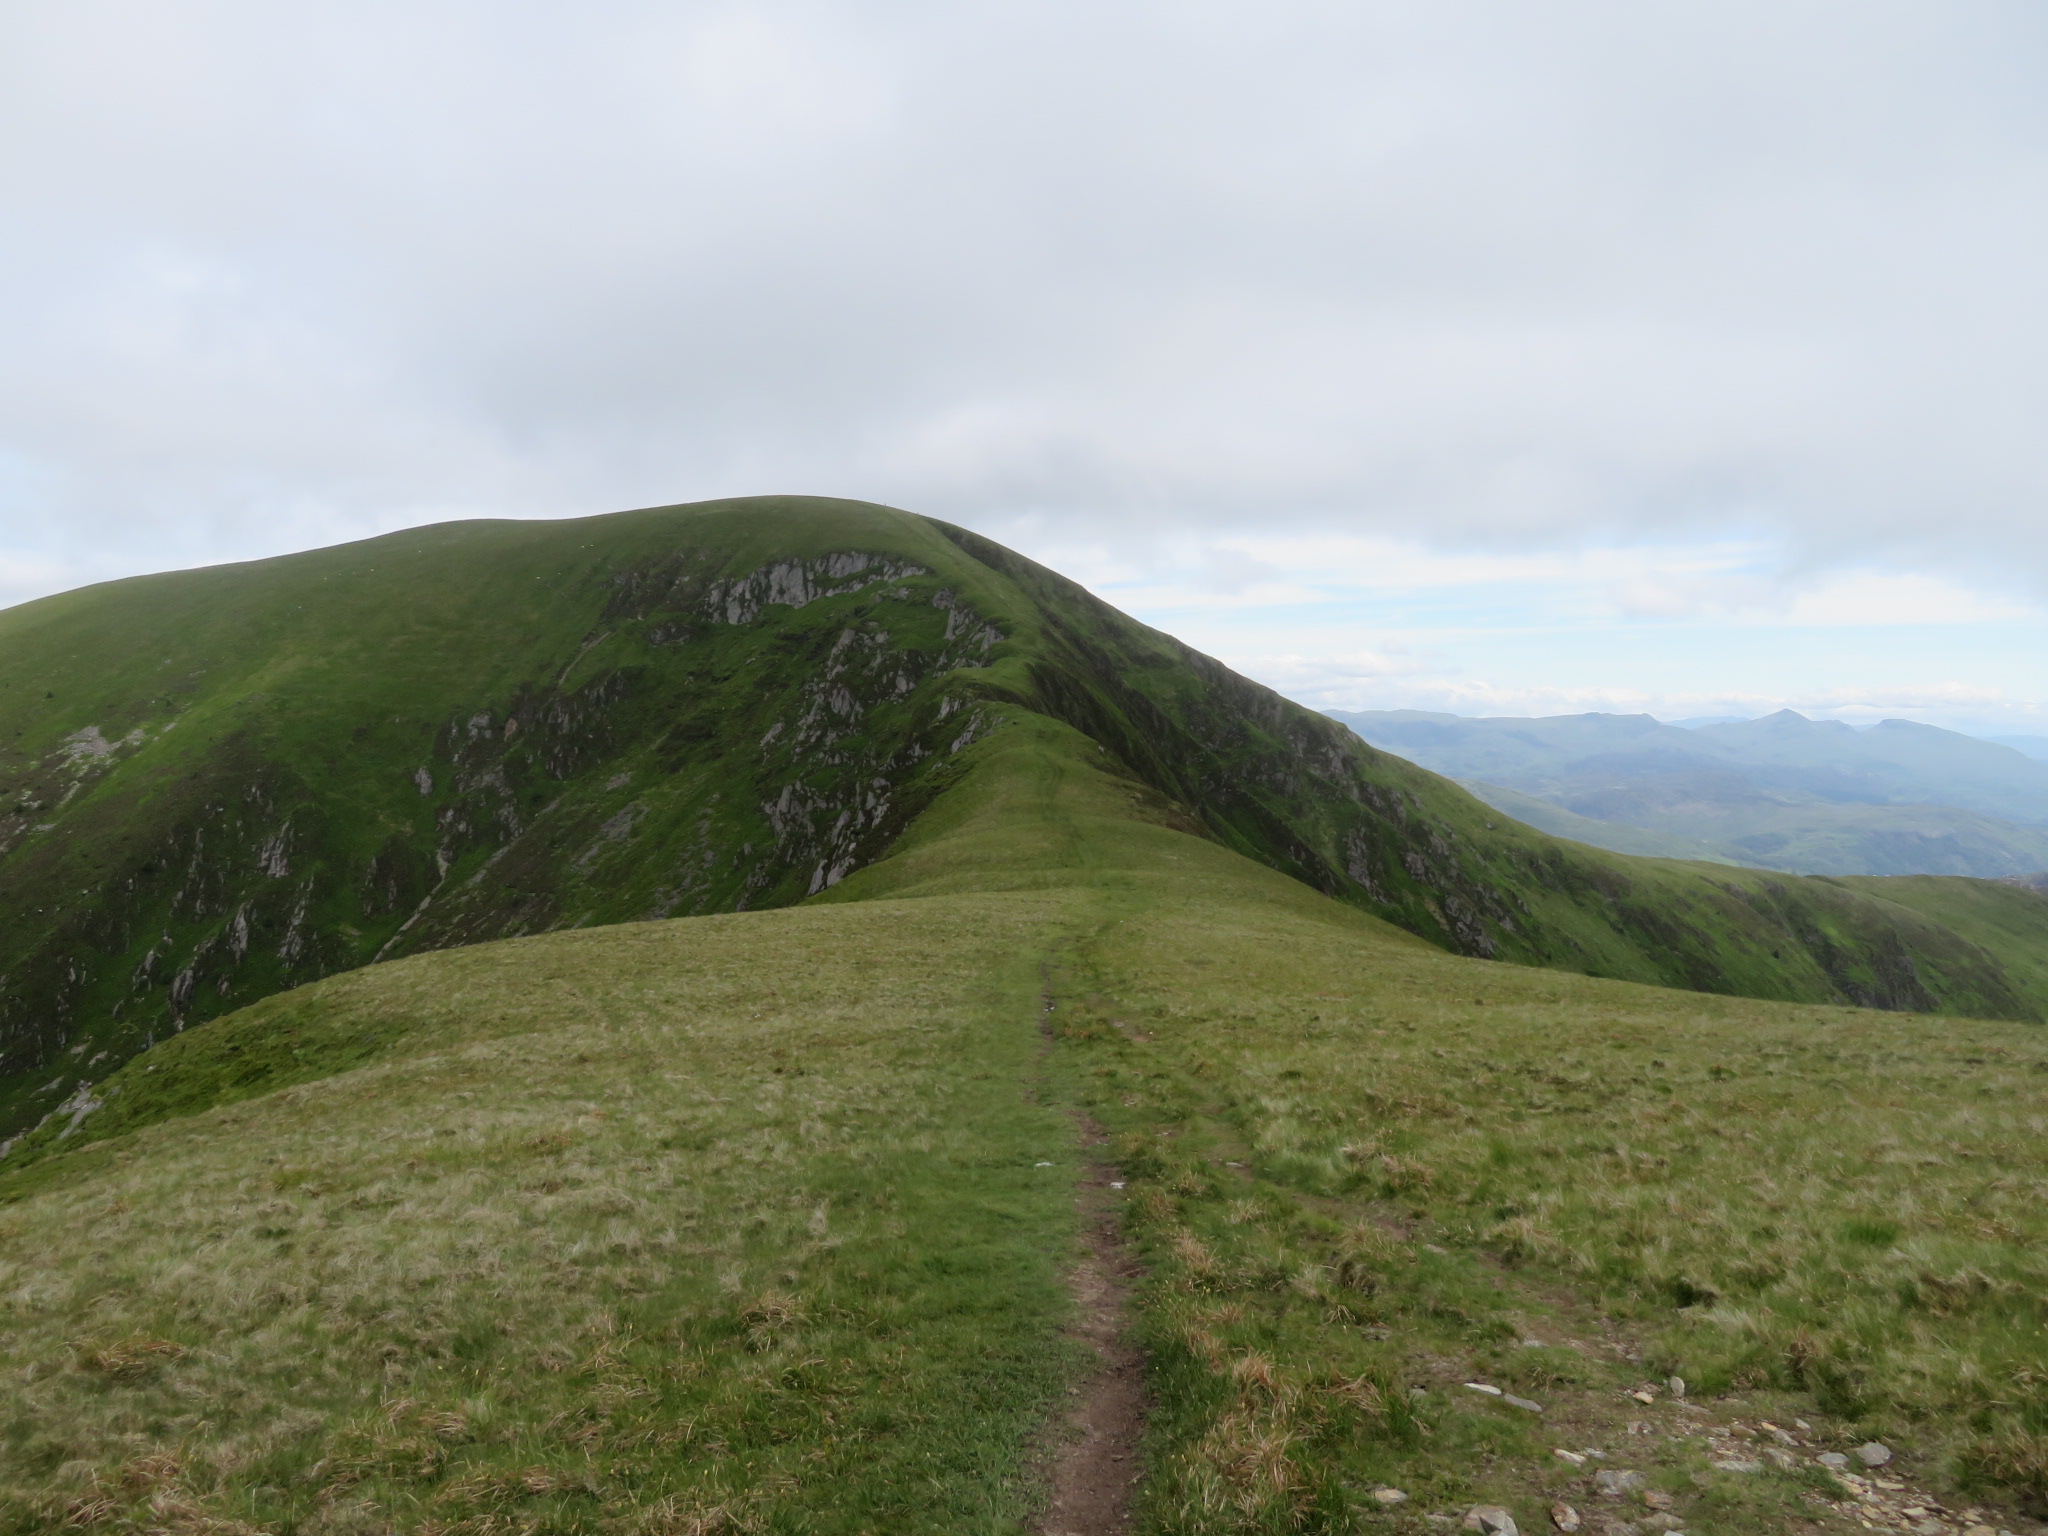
1094, 1468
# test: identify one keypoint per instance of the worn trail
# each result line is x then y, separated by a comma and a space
1095, 1466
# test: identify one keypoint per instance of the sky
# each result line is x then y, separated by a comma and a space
1687, 357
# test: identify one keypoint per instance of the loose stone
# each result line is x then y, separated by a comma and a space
1564, 1517
1615, 1484
1520, 1402
1873, 1453
1388, 1497
1490, 1520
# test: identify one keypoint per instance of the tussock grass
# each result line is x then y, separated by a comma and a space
737, 1224
1835, 1207
709, 1248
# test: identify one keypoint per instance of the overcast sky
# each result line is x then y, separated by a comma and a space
1500, 357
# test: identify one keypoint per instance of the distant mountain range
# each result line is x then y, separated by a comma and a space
2033, 746
1781, 792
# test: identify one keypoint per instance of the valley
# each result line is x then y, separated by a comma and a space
1784, 792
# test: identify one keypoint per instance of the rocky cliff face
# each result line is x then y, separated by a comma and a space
715, 741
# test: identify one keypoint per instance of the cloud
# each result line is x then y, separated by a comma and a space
1495, 320
1458, 269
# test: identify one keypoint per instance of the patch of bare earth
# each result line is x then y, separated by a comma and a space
1094, 1462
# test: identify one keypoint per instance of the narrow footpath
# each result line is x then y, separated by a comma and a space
1094, 1466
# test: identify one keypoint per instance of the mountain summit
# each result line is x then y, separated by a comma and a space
222, 783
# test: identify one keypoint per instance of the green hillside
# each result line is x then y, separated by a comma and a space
759, 1222
220, 784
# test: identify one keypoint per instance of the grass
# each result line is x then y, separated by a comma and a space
1820, 1212
756, 1222
219, 785
621, 1236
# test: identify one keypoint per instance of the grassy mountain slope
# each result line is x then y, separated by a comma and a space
219, 784
755, 1222
2014, 915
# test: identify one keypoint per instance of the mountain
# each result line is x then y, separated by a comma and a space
1895, 762
1783, 792
225, 782
2032, 746
1611, 835
1118, 1084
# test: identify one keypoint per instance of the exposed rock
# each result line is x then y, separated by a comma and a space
1564, 1517
1873, 1453
1675, 1386
1833, 1460
1520, 1402
1387, 1498
81, 1103
1480, 1386
1490, 1520
1615, 1484
1733, 1465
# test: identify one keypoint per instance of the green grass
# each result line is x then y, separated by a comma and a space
218, 785
1826, 1211
718, 1221
2013, 919
738, 1222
